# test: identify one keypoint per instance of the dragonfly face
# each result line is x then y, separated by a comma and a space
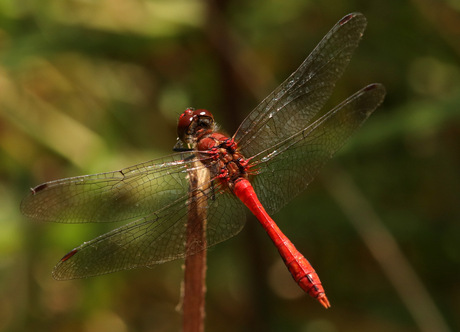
193, 123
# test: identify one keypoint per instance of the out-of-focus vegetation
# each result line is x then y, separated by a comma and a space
93, 86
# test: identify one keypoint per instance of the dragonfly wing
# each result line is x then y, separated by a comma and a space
226, 217
302, 155
126, 194
144, 242
291, 106
158, 238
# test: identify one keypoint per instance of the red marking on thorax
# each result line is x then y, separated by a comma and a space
223, 150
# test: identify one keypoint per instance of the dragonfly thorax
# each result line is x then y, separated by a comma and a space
221, 154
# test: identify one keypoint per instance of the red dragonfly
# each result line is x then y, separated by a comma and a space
272, 157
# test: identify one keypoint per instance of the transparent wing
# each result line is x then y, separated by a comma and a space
126, 194
157, 238
291, 106
287, 168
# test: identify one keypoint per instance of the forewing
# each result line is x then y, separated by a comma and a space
126, 194
291, 106
288, 167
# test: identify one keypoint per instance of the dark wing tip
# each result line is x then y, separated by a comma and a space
376, 93
373, 86
27, 204
38, 188
69, 254
58, 272
376, 88
348, 17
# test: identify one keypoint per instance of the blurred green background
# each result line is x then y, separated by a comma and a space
94, 86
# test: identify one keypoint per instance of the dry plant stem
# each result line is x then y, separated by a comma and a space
195, 264
386, 251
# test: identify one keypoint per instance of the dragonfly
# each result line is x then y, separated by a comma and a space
274, 154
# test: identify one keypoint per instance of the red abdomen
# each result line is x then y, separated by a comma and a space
301, 270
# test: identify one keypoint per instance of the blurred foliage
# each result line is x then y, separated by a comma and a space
93, 86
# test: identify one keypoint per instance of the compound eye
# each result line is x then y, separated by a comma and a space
185, 120
205, 118
203, 113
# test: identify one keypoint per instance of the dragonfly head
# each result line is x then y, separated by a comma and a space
191, 122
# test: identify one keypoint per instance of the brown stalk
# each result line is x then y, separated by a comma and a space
194, 290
